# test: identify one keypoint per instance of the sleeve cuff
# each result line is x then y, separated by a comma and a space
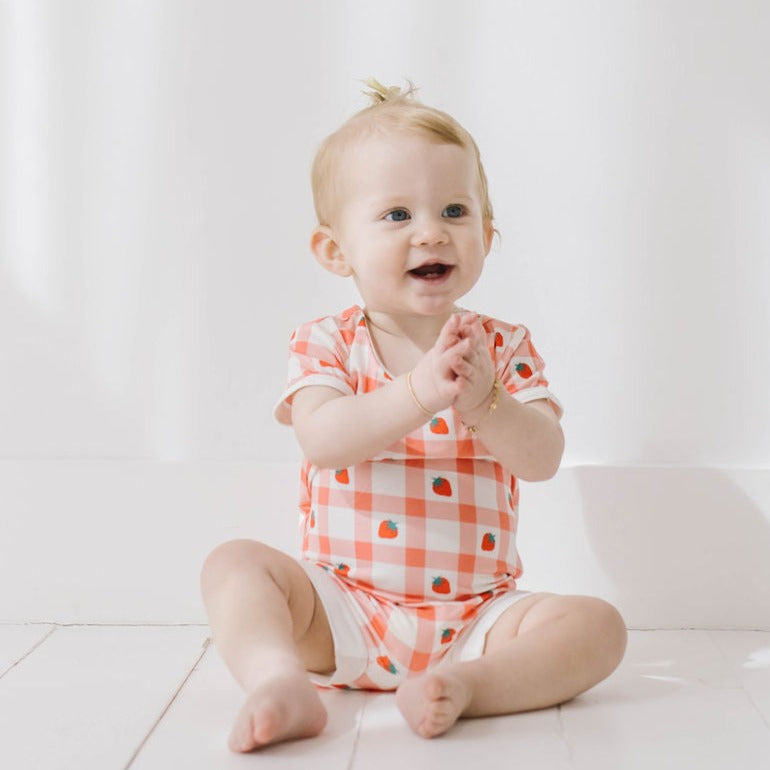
533, 394
282, 410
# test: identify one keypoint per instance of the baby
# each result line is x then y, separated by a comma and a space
417, 419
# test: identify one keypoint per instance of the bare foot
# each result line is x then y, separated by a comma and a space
431, 704
283, 708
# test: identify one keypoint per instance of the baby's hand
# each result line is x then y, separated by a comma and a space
434, 379
457, 371
472, 366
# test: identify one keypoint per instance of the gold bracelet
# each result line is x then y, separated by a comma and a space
414, 397
473, 429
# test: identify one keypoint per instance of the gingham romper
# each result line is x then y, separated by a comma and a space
423, 535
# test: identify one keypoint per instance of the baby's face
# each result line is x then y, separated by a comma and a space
410, 223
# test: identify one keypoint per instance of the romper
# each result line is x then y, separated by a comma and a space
423, 536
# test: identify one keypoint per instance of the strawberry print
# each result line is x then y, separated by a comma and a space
342, 476
441, 585
447, 635
524, 371
442, 487
488, 542
388, 530
498, 340
342, 569
438, 425
384, 662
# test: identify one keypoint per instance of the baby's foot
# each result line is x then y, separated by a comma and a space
283, 708
433, 703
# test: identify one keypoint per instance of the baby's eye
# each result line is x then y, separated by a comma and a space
397, 215
453, 211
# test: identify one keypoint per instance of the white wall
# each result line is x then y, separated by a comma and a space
155, 210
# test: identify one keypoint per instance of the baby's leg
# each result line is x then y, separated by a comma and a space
269, 627
544, 650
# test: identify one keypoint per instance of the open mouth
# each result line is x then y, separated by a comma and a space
432, 271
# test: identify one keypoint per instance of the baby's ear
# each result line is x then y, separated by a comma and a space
328, 253
489, 234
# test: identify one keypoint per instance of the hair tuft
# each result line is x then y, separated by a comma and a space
378, 93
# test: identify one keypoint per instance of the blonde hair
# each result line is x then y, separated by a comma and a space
391, 108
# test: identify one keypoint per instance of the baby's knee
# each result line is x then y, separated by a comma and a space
609, 627
233, 559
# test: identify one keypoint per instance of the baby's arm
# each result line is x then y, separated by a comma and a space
527, 438
336, 431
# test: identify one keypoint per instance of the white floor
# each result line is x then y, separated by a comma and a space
151, 697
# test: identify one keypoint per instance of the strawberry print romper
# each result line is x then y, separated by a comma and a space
412, 545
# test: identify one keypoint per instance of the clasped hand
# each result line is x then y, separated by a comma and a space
458, 370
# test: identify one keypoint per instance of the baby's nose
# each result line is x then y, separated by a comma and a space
430, 233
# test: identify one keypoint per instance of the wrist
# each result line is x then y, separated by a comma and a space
427, 412
473, 417
424, 395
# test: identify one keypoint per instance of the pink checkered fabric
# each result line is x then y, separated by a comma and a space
430, 522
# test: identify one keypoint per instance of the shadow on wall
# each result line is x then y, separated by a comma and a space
684, 547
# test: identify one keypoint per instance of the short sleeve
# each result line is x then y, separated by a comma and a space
521, 369
318, 353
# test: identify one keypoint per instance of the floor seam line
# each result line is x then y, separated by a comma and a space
28, 652
154, 727
741, 685
562, 732
761, 713
358, 733
57, 624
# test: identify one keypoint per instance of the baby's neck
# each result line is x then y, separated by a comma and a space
422, 330
401, 341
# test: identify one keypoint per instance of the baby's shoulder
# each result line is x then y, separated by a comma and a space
502, 334
333, 331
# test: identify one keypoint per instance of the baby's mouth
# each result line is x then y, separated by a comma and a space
431, 272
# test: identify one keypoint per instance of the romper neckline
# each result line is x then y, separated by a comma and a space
370, 340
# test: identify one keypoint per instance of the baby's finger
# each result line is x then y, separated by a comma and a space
448, 335
453, 322
458, 385
446, 361
476, 331
477, 345
466, 324
463, 368
480, 340
461, 348
470, 354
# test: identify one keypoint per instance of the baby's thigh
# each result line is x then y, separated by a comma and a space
538, 610
517, 619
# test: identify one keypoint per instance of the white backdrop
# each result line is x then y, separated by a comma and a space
155, 212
